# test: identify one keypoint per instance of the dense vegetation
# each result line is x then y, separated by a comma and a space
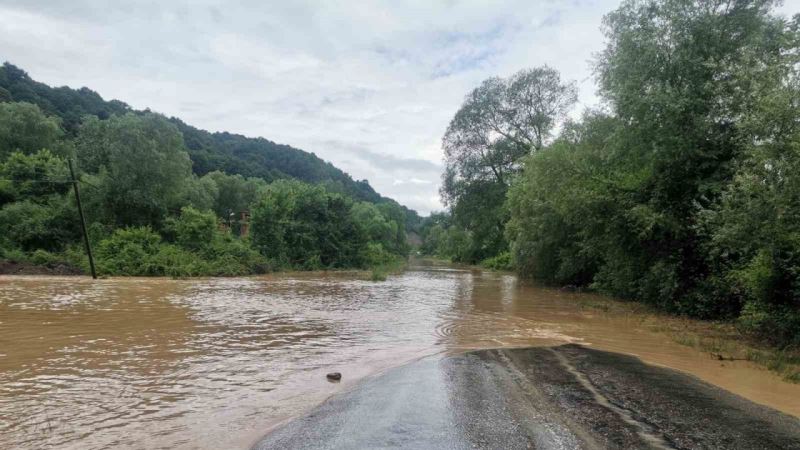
225, 152
163, 198
682, 191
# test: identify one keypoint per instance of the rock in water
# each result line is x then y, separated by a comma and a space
335, 376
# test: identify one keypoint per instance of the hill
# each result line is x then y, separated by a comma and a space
231, 153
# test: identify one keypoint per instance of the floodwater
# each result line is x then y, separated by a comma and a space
214, 363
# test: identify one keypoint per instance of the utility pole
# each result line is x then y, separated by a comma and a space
83, 219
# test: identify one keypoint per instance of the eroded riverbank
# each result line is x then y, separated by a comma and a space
161, 363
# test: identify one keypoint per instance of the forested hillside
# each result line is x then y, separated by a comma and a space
164, 198
230, 153
680, 191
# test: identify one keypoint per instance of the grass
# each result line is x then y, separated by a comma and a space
720, 340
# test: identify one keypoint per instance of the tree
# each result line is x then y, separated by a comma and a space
35, 176
754, 228
235, 193
684, 77
142, 168
568, 204
200, 192
683, 195
499, 123
373, 225
24, 127
303, 225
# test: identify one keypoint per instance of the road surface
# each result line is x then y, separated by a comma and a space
566, 397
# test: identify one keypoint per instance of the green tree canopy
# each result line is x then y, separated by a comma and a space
142, 165
304, 225
500, 122
24, 127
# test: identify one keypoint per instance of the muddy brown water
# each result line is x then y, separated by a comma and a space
214, 363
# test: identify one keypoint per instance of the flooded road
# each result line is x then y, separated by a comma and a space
213, 363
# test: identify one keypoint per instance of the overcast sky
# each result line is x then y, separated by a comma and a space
369, 86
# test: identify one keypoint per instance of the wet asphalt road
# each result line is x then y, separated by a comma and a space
566, 397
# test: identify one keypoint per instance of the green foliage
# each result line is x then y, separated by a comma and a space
229, 256
455, 245
142, 168
35, 175
13, 254
683, 194
374, 255
139, 251
193, 229
69, 104
129, 251
29, 225
236, 193
444, 239
24, 127
201, 193
431, 231
503, 261
301, 225
755, 227
137, 170
372, 225
500, 122
563, 201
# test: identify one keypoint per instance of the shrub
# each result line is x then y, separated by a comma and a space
777, 324
29, 225
503, 261
173, 261
129, 251
193, 229
13, 254
229, 256
43, 257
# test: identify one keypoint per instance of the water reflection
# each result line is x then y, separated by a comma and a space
212, 363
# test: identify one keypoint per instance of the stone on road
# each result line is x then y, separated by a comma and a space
567, 397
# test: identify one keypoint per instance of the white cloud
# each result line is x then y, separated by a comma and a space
368, 85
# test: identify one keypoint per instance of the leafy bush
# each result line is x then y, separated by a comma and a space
503, 261
229, 256
30, 225
193, 229
130, 251
173, 261
298, 225
13, 254
34, 176
777, 324
43, 257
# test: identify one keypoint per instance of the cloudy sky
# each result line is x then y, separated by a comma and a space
367, 85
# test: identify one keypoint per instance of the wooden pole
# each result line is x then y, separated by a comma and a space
83, 219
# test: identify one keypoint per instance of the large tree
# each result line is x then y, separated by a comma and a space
684, 194
499, 123
141, 164
24, 127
